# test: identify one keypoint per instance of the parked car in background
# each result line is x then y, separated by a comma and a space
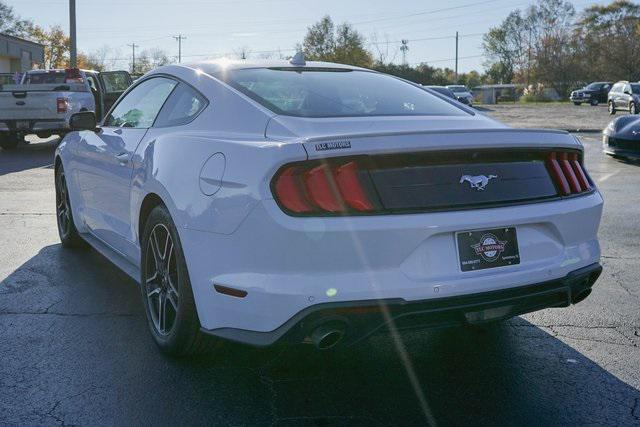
379, 205
443, 90
593, 93
624, 96
621, 138
462, 94
45, 100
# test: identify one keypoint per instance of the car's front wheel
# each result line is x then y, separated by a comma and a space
166, 289
577, 103
633, 108
611, 108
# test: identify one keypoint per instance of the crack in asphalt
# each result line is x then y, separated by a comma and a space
61, 421
619, 281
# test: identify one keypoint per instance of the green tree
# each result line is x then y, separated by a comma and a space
11, 23
326, 42
56, 45
608, 38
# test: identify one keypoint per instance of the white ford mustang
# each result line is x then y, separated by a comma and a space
315, 202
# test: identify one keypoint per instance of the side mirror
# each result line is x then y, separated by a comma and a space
84, 120
627, 92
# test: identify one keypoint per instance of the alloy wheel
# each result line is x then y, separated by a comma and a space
161, 278
63, 205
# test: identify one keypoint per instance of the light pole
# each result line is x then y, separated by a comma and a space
72, 35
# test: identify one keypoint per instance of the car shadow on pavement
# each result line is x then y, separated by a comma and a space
75, 350
27, 156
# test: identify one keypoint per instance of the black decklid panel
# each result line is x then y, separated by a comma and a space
439, 186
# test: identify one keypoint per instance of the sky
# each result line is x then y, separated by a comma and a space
215, 28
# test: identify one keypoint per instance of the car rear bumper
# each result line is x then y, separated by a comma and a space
359, 319
284, 265
34, 125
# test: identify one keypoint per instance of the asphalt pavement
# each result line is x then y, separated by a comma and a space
74, 346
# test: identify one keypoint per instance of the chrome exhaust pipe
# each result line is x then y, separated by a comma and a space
325, 337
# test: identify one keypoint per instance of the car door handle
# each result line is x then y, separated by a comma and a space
123, 158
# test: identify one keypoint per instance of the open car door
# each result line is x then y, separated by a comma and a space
114, 83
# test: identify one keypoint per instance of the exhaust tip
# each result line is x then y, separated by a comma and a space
327, 336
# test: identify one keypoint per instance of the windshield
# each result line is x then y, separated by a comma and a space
635, 88
594, 86
458, 88
51, 77
336, 93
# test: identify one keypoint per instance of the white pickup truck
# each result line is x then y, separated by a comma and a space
45, 100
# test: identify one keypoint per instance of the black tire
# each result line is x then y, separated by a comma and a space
611, 108
633, 108
67, 231
9, 141
160, 288
594, 102
577, 103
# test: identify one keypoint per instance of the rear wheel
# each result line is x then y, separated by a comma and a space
611, 108
166, 289
594, 102
9, 141
67, 231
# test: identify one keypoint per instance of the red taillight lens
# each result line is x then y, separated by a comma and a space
326, 188
62, 105
351, 189
289, 191
580, 175
567, 173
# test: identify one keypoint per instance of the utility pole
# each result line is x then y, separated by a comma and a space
456, 57
72, 34
179, 37
404, 48
133, 57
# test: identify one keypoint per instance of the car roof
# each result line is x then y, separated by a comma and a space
217, 66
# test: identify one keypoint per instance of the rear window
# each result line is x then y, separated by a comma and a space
308, 92
52, 77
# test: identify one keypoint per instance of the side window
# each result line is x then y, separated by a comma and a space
115, 81
139, 108
183, 105
627, 88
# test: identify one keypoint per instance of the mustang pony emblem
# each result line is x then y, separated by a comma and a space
478, 182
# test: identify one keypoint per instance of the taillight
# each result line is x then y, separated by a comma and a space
567, 173
62, 105
322, 188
